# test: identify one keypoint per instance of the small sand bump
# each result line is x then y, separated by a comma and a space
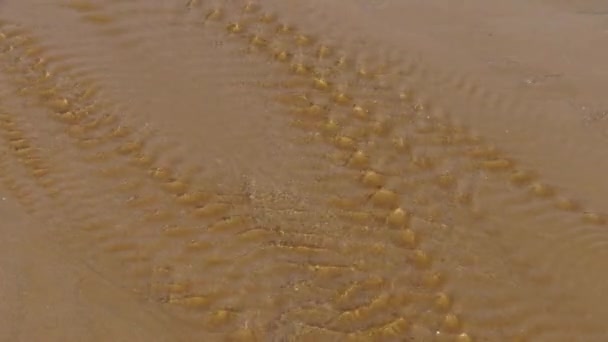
212, 210
303, 40
407, 238
330, 127
39, 173
258, 41
70, 117
359, 160
360, 112
284, 29
421, 259
177, 289
433, 280
385, 198
301, 69
520, 177
61, 105
372, 179
160, 174
451, 322
190, 198
443, 302
567, 204
345, 143
341, 98
542, 190
176, 187
199, 246
464, 337
396, 328
19, 143
321, 83
235, 28
23, 152
342, 62
282, 55
398, 218
251, 7
594, 218
228, 224
323, 52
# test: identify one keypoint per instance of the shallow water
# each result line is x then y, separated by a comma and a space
294, 171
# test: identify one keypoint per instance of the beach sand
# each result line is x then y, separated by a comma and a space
365, 170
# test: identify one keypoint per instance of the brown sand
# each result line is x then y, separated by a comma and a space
365, 170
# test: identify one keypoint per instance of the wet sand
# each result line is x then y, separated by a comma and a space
295, 171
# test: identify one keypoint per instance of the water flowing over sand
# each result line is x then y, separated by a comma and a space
281, 170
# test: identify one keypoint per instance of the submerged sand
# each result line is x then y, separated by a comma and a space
295, 171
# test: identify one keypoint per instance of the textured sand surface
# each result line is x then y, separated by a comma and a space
303, 170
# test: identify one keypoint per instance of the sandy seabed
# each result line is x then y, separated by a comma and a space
303, 170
